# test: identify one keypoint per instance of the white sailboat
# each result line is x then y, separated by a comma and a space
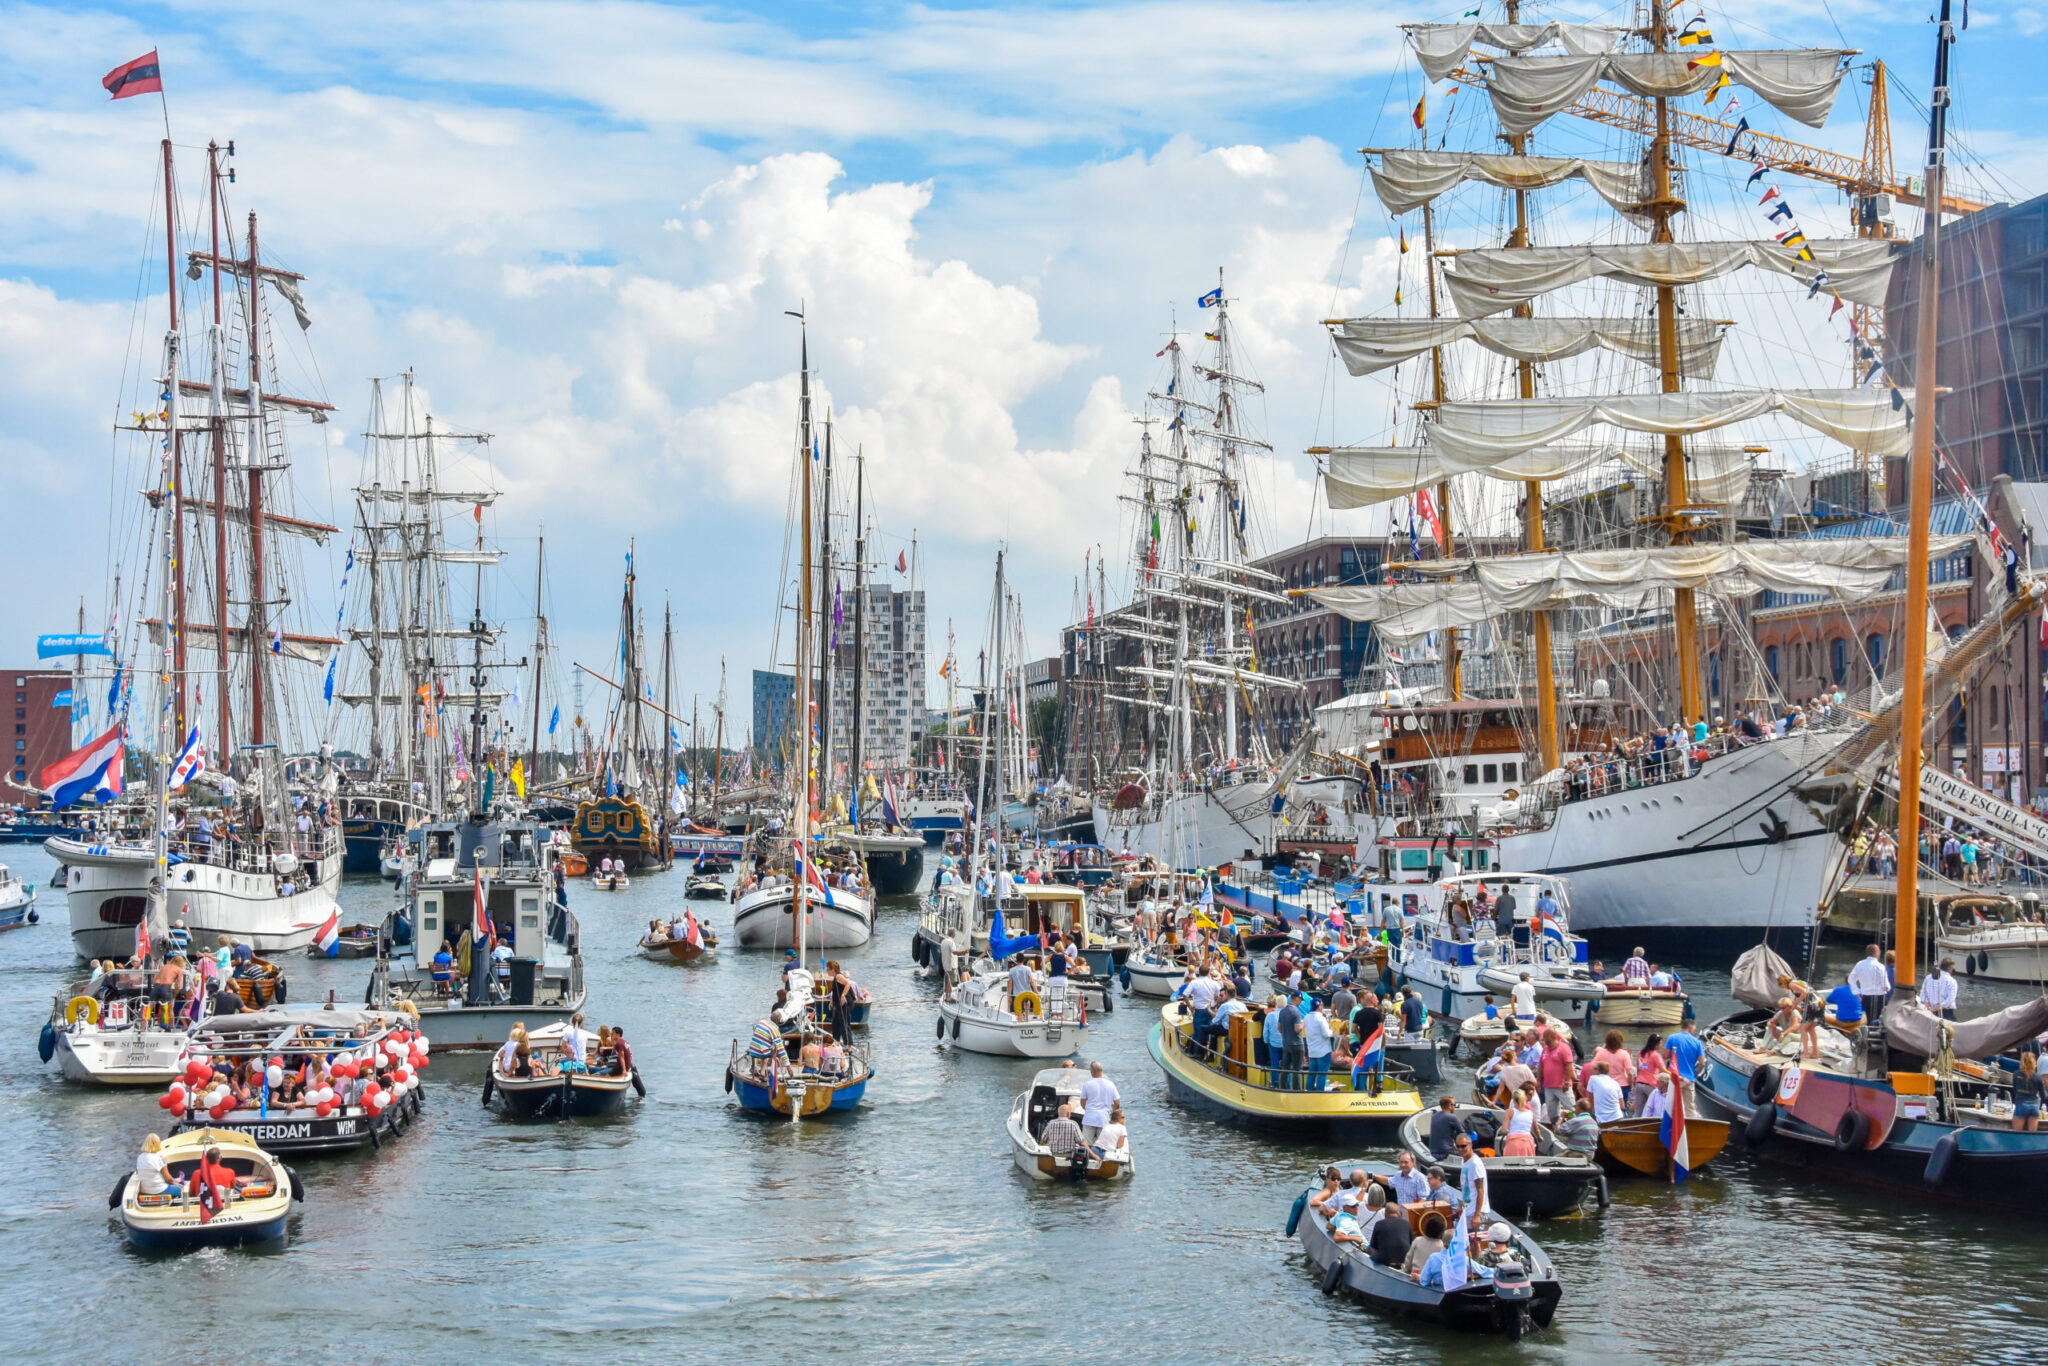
1721, 841
222, 504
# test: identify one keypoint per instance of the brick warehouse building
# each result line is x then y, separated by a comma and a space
39, 731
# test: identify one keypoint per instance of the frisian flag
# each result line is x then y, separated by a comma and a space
96, 766
1673, 1133
140, 77
328, 937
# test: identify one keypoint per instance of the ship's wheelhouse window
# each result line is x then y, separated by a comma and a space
1507, 773
1471, 773
1493, 773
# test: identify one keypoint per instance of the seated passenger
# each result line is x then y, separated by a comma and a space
1062, 1135
1845, 1005
1495, 1250
1428, 1245
149, 1168
1578, 1130
522, 1059
444, 967
1391, 1238
811, 1055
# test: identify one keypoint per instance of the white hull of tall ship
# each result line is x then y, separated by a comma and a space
1724, 855
763, 919
1193, 829
108, 885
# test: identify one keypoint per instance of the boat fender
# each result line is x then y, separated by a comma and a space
1294, 1215
562, 1110
370, 990
1763, 1085
298, 1186
728, 1081
1763, 1121
1123, 975
278, 996
1333, 1277
490, 1082
375, 1142
1941, 1159
120, 1188
81, 1005
917, 950
942, 1028
46, 1046
1852, 1133
956, 1029
1602, 1198
33, 917
1108, 1004
639, 1086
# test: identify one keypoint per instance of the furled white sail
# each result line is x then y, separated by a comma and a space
1442, 48
1798, 82
1360, 476
1408, 179
1490, 279
1371, 344
1487, 431
1628, 579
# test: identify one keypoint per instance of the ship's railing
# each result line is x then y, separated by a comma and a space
240, 854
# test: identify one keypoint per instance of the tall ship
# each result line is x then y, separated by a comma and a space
213, 608
1191, 779
408, 677
625, 820
1543, 375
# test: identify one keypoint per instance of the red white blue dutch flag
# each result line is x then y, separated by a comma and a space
140, 77
329, 934
1673, 1133
98, 765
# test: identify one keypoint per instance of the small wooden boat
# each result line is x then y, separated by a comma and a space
705, 887
1553, 1182
260, 983
1037, 1107
1511, 1303
768, 1075
553, 1089
614, 881
684, 941
1229, 1081
1636, 1146
573, 863
351, 941
1639, 1011
253, 1209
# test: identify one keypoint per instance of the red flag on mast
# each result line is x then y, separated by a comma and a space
140, 77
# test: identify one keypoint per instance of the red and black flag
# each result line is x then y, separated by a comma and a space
140, 77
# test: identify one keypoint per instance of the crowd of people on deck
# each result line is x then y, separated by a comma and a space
1376, 1214
187, 986
603, 1054
1097, 1128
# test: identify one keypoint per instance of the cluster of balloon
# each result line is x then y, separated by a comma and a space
189, 1091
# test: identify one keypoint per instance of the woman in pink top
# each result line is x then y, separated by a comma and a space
1620, 1064
1648, 1070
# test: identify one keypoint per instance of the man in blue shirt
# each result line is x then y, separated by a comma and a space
1848, 1005
1410, 1187
1686, 1050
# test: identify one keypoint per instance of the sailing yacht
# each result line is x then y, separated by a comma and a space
1202, 791
1717, 840
221, 540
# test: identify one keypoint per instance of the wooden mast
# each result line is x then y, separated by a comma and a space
223, 741
1920, 483
258, 452
176, 568
806, 754
1663, 206
540, 647
1453, 681
1547, 745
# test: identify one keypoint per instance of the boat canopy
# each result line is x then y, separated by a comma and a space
1912, 1028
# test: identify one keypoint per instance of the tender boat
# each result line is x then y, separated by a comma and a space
705, 887
1422, 1054
351, 941
254, 1207
770, 1075
105, 1033
541, 984
1638, 1011
1035, 1108
1635, 1147
894, 860
613, 881
1555, 1181
330, 1079
1480, 1034
679, 941
1995, 937
260, 983
1228, 1080
1509, 1304
1456, 960
550, 1090
836, 918
17, 901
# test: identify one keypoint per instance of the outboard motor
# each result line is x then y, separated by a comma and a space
1513, 1294
1077, 1165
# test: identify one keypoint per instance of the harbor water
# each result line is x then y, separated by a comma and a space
683, 1229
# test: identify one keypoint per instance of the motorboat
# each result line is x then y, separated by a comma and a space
705, 887
984, 1015
792, 1067
17, 901
1154, 970
1421, 1053
1455, 955
679, 941
254, 1197
1639, 1009
1228, 1079
302, 1079
1555, 1181
836, 918
549, 1088
350, 941
1491, 1301
1997, 937
511, 862
1037, 1107
611, 879
1481, 1034
105, 1033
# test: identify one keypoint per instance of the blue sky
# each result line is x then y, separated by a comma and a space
580, 224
